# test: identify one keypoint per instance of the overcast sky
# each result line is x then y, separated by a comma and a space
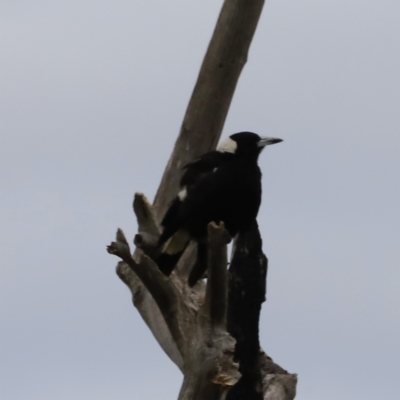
92, 98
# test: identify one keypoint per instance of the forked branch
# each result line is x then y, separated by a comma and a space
148, 229
154, 280
160, 287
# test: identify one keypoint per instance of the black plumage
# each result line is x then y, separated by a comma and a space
222, 185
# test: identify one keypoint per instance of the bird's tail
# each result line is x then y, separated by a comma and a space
172, 251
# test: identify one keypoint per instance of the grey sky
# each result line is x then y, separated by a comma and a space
92, 97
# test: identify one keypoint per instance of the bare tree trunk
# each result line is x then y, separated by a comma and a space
210, 332
205, 116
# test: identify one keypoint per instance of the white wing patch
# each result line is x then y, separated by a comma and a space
177, 242
182, 194
227, 146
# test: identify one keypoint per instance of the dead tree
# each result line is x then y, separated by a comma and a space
210, 331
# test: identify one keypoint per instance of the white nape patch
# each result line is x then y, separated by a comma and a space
182, 194
177, 242
227, 146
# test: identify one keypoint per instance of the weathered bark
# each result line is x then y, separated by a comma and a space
190, 324
197, 329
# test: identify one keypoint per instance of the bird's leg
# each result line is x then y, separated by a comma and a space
200, 267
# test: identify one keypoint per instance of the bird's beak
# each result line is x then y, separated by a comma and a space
266, 141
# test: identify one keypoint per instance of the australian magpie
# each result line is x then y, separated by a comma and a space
222, 185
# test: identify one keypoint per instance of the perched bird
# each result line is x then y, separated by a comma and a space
222, 185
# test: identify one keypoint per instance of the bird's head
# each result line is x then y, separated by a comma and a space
246, 144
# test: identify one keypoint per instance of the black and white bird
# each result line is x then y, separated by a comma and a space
222, 185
